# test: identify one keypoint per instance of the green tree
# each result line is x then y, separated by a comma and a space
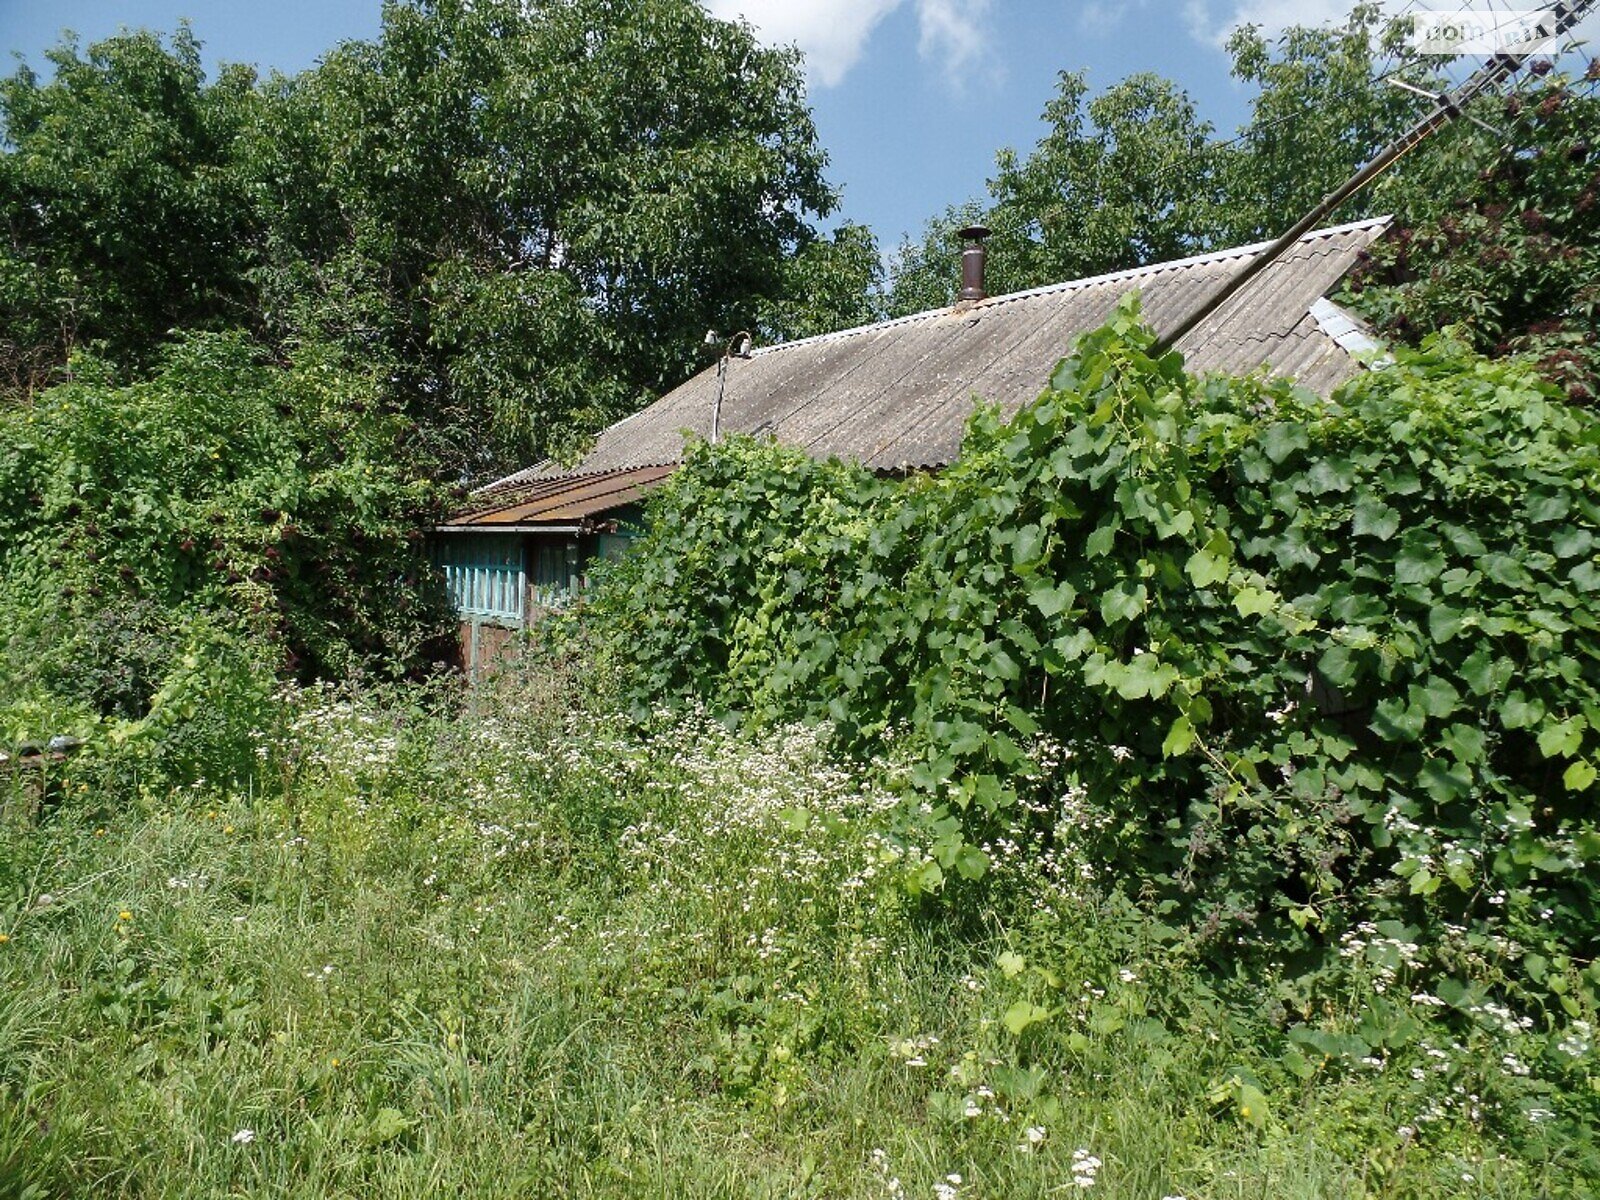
1323, 107
535, 210
522, 216
1513, 259
832, 283
123, 216
1134, 175
1120, 179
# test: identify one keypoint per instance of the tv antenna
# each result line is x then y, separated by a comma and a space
1558, 20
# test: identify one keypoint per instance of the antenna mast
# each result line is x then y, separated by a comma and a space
1561, 17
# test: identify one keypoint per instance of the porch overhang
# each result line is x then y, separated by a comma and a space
563, 504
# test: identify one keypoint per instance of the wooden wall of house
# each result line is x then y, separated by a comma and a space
479, 571
483, 644
549, 568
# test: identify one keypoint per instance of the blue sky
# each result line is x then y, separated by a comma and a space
912, 97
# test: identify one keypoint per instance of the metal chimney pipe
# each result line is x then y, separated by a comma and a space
973, 256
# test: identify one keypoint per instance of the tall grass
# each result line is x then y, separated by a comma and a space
510, 946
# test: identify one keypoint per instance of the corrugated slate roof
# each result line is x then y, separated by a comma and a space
897, 395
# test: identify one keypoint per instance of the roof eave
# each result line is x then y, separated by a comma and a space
471, 528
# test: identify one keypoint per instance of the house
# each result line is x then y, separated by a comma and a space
895, 396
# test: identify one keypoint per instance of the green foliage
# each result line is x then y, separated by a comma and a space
1321, 110
223, 517
1514, 260
506, 942
1297, 663
126, 213
831, 283
520, 217
205, 722
559, 200
1133, 176
1133, 149
740, 593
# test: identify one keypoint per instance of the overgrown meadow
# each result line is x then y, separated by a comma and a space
1185, 795
511, 945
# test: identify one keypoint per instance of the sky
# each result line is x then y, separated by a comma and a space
912, 97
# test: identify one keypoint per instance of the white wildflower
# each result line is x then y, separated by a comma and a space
1032, 1137
1085, 1168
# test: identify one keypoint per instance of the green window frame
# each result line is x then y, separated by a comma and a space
485, 575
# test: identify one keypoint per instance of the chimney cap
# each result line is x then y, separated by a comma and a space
973, 233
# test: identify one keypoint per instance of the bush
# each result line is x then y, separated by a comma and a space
1292, 664
280, 495
1514, 261
256, 519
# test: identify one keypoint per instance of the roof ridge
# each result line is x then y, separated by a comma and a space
1050, 289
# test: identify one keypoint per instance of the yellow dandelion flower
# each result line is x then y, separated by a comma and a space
335, 1062
227, 829
4, 938
1244, 1111
99, 833
124, 915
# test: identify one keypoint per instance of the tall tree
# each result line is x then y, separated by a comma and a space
1134, 176
1323, 107
542, 205
122, 217
524, 213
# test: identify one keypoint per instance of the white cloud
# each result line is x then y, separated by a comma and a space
953, 30
834, 33
831, 32
1213, 22
1096, 18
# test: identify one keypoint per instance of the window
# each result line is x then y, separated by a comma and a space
484, 575
555, 573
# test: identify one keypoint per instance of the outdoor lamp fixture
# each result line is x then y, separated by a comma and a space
738, 346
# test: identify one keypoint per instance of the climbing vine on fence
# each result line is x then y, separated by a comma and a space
1305, 661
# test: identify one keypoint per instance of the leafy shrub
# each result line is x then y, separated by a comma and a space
1293, 663
195, 535
205, 722
226, 485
